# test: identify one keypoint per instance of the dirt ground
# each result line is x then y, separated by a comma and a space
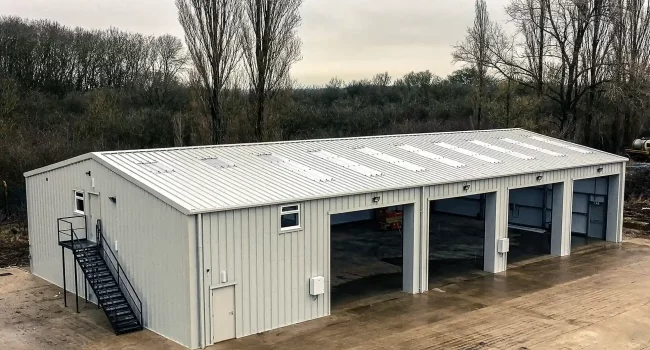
14, 244
594, 299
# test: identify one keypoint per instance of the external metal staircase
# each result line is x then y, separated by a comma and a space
103, 274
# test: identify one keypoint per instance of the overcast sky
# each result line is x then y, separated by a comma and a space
349, 39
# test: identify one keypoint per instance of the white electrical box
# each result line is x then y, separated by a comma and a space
317, 285
503, 245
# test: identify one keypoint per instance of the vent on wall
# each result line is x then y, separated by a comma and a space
560, 144
155, 167
468, 152
430, 155
295, 167
391, 159
218, 162
529, 146
346, 163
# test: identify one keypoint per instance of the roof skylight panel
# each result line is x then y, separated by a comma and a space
529, 146
219, 163
432, 156
346, 163
295, 167
468, 152
154, 167
560, 144
390, 159
501, 149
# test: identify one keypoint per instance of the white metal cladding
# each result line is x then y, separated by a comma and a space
152, 237
197, 187
271, 268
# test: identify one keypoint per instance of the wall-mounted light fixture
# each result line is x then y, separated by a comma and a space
539, 177
376, 199
466, 187
88, 172
113, 200
600, 169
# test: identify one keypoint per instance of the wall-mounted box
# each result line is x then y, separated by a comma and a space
503, 245
317, 285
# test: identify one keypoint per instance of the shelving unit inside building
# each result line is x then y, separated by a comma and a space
205, 244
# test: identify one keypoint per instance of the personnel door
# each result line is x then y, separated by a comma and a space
95, 213
596, 223
223, 314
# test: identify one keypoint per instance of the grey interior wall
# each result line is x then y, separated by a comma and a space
584, 191
465, 206
526, 206
152, 241
355, 216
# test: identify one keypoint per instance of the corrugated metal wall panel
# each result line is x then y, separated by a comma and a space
152, 240
272, 268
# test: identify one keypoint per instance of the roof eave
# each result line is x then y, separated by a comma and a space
67, 162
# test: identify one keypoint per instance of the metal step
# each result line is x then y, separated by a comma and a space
109, 297
119, 314
129, 329
117, 308
100, 280
114, 302
107, 290
95, 275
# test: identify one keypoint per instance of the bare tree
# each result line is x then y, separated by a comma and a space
270, 47
475, 50
211, 28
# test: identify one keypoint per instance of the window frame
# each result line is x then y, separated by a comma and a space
283, 211
77, 196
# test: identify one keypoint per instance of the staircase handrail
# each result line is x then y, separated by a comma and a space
121, 274
74, 239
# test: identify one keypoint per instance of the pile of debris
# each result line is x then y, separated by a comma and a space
636, 221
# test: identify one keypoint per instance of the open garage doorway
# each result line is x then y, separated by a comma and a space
366, 255
456, 239
590, 198
529, 222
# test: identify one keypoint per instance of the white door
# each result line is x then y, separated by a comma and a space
95, 210
223, 314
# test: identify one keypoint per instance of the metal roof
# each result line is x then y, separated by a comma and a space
216, 178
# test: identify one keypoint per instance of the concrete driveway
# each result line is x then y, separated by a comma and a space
598, 298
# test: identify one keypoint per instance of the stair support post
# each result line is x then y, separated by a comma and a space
76, 290
65, 294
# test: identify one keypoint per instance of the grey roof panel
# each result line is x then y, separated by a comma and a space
241, 178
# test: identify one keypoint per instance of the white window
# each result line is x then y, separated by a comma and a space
79, 204
289, 217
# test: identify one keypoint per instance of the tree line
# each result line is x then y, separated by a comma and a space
587, 63
576, 69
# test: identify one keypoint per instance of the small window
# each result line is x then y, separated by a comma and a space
79, 202
289, 217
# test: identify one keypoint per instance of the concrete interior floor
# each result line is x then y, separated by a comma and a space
367, 262
580, 240
364, 261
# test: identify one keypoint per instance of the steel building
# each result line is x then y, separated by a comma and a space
219, 242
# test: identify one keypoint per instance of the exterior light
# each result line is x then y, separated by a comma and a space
600, 169
540, 177
466, 187
376, 199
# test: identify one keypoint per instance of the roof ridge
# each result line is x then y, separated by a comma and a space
251, 144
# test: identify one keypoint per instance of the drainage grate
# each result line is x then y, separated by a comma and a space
5, 274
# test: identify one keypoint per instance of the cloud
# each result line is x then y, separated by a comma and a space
351, 39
